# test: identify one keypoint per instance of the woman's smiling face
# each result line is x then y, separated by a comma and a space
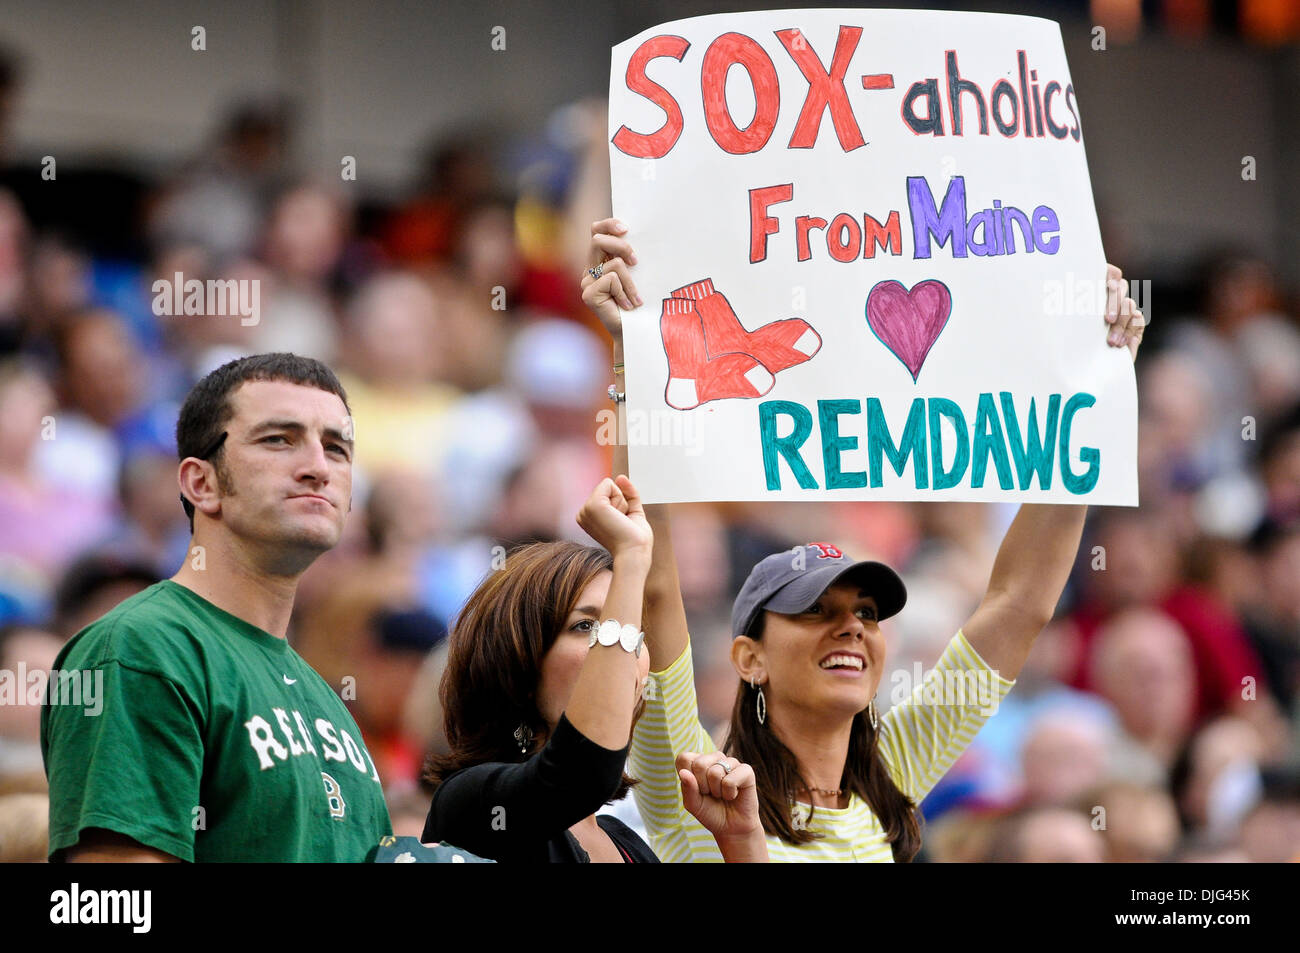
827, 659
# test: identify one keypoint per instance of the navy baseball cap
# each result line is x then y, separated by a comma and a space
792, 580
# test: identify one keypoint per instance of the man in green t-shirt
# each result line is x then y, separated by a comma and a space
201, 735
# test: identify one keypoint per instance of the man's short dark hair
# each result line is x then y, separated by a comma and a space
207, 408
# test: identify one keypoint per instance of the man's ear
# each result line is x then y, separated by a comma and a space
747, 659
198, 483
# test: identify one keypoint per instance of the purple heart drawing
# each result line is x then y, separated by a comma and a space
909, 322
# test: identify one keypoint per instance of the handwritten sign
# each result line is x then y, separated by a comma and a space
871, 264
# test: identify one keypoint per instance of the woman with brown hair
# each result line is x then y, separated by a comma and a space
540, 696
836, 780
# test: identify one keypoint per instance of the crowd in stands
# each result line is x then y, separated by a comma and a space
1158, 717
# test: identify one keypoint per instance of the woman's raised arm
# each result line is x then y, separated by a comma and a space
1034, 560
606, 693
608, 296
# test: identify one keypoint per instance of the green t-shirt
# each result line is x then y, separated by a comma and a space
204, 737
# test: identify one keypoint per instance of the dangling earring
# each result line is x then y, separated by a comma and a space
523, 737
871, 712
762, 702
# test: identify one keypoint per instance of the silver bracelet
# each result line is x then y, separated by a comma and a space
611, 632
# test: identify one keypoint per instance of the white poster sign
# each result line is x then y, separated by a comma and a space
870, 258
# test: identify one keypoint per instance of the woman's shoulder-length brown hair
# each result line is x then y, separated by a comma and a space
496, 647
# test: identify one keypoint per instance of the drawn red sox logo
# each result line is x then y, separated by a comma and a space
828, 551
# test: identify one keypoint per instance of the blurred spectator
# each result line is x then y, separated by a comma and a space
1142, 664
207, 341
490, 258
1270, 834
220, 202
559, 372
99, 389
476, 324
95, 584
1217, 780
152, 529
393, 373
1279, 456
520, 461
1238, 305
422, 717
304, 243
487, 254
58, 288
1271, 350
24, 651
1047, 835
488, 437
703, 563
408, 809
532, 502
1141, 823
958, 543
45, 523
997, 765
457, 173
1273, 618
1063, 757
1209, 852
13, 273
715, 678
1174, 427
1143, 568
399, 641
24, 828
960, 836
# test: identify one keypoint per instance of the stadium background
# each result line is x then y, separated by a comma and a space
1165, 692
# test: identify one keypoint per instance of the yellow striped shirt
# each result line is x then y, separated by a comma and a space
920, 738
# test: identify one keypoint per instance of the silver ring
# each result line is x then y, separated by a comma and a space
723, 765
597, 271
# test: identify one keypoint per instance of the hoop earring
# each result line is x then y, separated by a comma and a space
523, 737
761, 704
871, 712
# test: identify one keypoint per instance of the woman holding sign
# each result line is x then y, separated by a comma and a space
836, 780
542, 688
